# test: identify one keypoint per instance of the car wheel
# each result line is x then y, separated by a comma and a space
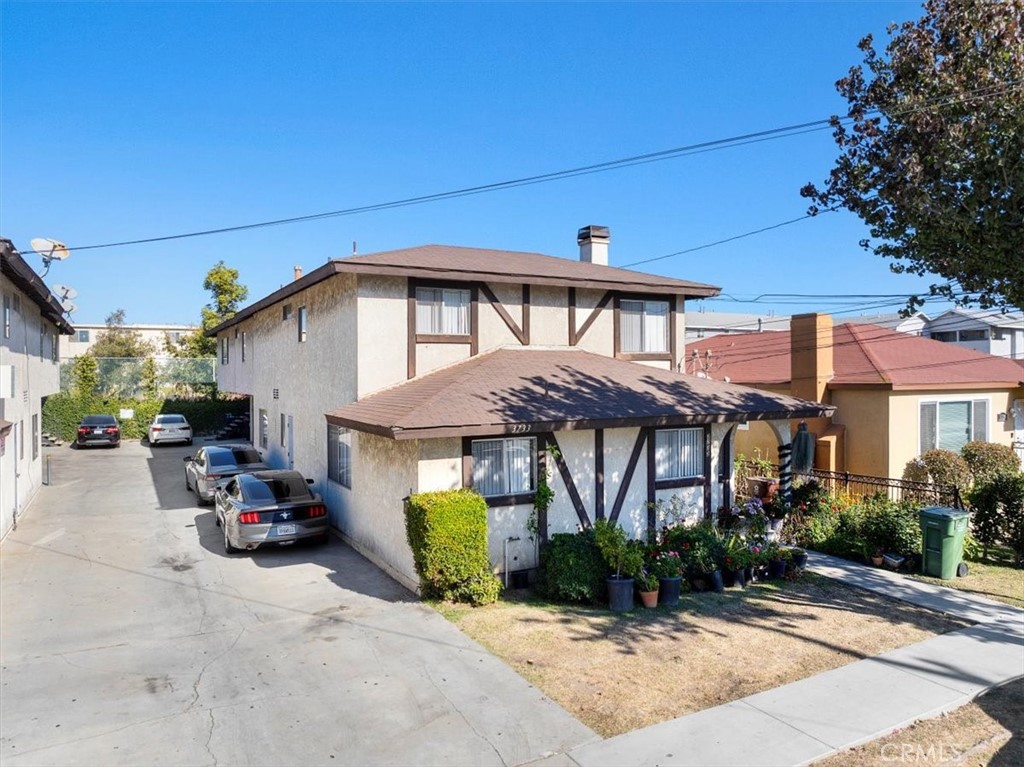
187, 485
216, 517
188, 441
228, 548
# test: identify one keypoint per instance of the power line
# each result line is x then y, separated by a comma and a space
649, 157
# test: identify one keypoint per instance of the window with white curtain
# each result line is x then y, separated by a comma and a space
643, 326
442, 311
678, 453
504, 466
951, 425
339, 455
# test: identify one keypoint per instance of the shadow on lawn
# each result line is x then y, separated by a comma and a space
773, 607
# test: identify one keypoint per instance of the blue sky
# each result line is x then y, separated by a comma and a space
124, 121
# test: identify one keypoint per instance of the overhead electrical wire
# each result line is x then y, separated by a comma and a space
649, 157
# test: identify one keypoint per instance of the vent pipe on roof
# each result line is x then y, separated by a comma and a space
298, 272
593, 242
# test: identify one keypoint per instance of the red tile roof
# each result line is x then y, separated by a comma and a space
862, 354
535, 390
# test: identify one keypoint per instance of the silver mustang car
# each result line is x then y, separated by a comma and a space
266, 507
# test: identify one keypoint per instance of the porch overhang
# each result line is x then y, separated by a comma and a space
529, 391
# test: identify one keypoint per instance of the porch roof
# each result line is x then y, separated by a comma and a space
519, 391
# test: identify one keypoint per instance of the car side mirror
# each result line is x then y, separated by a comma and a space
310, 481
187, 459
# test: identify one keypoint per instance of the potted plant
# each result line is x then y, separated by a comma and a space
735, 561
647, 584
668, 566
799, 558
776, 511
624, 558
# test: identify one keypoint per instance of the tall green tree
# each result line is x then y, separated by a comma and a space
932, 154
227, 294
118, 340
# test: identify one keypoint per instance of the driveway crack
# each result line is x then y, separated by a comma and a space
199, 678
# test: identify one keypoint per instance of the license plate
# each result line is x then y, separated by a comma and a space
284, 530
97, 431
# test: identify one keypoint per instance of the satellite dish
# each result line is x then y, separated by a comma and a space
69, 307
50, 250
65, 291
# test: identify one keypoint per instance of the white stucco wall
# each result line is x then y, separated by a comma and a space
34, 376
382, 353
494, 333
618, 444
599, 338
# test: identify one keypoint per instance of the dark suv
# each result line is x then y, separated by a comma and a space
98, 430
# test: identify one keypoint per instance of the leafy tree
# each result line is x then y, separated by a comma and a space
85, 376
150, 388
933, 156
227, 294
120, 341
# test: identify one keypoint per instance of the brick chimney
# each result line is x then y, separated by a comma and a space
810, 355
593, 242
298, 272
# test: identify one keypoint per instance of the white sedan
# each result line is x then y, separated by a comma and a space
170, 427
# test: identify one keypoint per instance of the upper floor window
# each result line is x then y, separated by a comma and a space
442, 311
302, 323
947, 336
286, 312
224, 350
951, 425
243, 345
678, 453
974, 335
644, 326
42, 340
7, 316
83, 336
505, 466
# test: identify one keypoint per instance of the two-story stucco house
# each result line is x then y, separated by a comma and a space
440, 367
32, 323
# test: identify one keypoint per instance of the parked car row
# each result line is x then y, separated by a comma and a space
102, 429
255, 505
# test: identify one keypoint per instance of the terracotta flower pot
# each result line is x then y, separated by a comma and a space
649, 598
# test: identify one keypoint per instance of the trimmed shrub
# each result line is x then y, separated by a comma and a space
941, 467
572, 568
987, 459
447, 531
892, 527
999, 514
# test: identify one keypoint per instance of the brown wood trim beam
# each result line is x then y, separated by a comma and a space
652, 515
441, 338
669, 484
411, 332
627, 478
526, 315
645, 356
725, 467
503, 313
467, 462
542, 471
592, 318
672, 331
570, 485
707, 472
616, 327
474, 320
572, 316
598, 473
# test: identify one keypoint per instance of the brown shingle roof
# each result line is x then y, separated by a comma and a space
450, 262
534, 390
862, 354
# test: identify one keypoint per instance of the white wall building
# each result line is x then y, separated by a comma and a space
983, 330
85, 336
441, 367
32, 323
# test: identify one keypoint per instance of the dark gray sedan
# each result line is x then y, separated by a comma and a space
267, 507
211, 467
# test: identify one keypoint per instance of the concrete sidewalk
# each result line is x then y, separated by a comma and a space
810, 719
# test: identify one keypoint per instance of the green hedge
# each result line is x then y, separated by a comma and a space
572, 568
62, 413
998, 517
447, 531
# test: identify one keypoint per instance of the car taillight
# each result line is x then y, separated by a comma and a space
111, 430
215, 476
249, 517
155, 428
84, 430
317, 511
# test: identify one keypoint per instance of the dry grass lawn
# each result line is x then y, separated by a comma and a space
989, 731
620, 672
1000, 582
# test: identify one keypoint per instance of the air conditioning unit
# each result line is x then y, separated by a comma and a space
7, 387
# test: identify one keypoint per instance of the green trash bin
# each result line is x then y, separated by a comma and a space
943, 531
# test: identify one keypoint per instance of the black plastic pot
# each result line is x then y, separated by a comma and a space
729, 578
800, 560
776, 569
620, 594
739, 577
715, 578
668, 591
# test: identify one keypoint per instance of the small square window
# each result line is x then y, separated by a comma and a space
83, 336
286, 312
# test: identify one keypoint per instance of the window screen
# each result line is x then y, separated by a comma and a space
504, 466
678, 453
643, 326
442, 311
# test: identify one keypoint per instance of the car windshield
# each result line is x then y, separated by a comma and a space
98, 420
220, 458
277, 489
170, 419
246, 455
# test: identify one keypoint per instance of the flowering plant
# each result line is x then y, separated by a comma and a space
647, 581
667, 564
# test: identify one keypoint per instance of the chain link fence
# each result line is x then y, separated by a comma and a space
126, 376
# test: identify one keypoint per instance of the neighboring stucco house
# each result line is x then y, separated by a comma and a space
32, 323
983, 330
896, 395
440, 367
704, 324
86, 335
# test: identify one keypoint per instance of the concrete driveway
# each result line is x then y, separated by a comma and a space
129, 637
